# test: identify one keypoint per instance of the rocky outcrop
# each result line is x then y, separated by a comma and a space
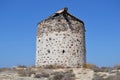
85, 74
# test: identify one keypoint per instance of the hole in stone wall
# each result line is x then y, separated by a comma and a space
80, 32
37, 60
65, 60
66, 57
39, 40
80, 43
59, 20
56, 34
46, 34
44, 62
73, 53
80, 51
78, 40
68, 34
46, 39
49, 38
78, 64
71, 44
63, 51
48, 51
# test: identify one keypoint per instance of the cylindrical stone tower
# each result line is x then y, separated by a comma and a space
61, 41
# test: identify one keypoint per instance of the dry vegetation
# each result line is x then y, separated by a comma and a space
47, 71
4, 69
101, 69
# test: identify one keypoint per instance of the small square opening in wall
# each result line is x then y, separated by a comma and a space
63, 51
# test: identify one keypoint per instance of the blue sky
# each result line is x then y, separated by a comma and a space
18, 24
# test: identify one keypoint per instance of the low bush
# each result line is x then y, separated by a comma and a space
58, 76
91, 66
4, 69
21, 66
41, 75
106, 69
26, 72
117, 66
52, 66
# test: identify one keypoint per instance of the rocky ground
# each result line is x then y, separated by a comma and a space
33, 73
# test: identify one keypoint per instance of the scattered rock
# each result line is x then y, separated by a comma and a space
60, 74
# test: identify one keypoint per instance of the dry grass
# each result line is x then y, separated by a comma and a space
4, 69
52, 67
24, 73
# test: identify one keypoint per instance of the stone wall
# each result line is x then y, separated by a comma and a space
61, 48
61, 41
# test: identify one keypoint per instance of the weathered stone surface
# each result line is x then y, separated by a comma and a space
85, 74
60, 22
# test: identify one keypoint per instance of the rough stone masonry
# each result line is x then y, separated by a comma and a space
61, 41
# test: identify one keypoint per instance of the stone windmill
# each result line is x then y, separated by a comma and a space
61, 41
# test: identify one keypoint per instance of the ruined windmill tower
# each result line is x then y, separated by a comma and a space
61, 41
